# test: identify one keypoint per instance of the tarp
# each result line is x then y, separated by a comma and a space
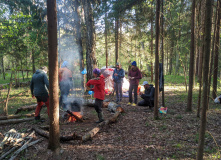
109, 83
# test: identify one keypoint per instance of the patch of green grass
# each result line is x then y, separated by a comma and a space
146, 124
99, 157
179, 116
163, 127
178, 145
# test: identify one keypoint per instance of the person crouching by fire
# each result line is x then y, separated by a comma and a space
99, 93
39, 90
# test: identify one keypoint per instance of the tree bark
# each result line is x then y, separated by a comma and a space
216, 57
116, 38
207, 42
15, 116
191, 68
157, 49
162, 52
54, 143
151, 43
90, 36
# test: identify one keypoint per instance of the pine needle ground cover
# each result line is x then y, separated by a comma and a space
136, 135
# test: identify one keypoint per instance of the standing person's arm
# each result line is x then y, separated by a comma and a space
139, 75
46, 82
121, 74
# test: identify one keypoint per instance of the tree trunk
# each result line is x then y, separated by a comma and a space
105, 32
207, 42
116, 38
33, 61
90, 36
3, 68
216, 57
151, 43
201, 51
162, 53
79, 40
213, 46
54, 143
191, 68
157, 49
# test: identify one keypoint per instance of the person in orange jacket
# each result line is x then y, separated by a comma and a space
99, 92
65, 83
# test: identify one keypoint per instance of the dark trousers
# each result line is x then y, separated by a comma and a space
131, 88
41, 100
146, 102
98, 105
119, 92
64, 89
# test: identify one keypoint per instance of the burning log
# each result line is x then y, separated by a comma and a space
16, 116
13, 121
26, 108
78, 118
62, 138
95, 130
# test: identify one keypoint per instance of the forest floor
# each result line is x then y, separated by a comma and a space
135, 135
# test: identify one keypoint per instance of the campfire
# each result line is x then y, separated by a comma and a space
74, 112
74, 116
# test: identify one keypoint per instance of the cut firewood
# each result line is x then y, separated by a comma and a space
62, 138
16, 116
95, 130
13, 121
75, 116
10, 151
26, 108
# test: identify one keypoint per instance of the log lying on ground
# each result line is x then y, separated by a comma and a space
13, 121
16, 116
95, 130
26, 108
62, 138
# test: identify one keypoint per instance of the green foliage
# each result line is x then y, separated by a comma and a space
99, 157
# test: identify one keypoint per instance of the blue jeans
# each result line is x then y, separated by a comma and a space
119, 92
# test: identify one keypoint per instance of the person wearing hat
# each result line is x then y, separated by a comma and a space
39, 89
65, 83
99, 92
118, 76
134, 76
148, 96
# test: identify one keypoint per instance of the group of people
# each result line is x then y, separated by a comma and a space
40, 85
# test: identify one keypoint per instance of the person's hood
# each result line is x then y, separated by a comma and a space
150, 85
39, 71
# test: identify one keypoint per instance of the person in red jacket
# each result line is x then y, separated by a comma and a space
99, 92
134, 76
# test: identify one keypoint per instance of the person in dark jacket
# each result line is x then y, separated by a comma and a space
134, 76
65, 83
39, 90
118, 76
148, 95
99, 92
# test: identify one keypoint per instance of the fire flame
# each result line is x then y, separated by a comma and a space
72, 118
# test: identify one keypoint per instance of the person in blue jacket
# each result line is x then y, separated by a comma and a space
118, 76
39, 90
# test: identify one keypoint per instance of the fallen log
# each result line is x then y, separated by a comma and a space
13, 121
16, 116
95, 130
45, 134
26, 108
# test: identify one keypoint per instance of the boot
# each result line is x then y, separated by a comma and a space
100, 116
